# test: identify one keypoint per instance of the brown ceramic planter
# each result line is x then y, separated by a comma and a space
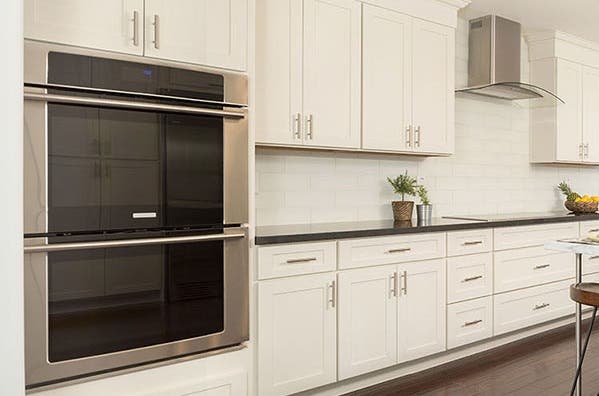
402, 210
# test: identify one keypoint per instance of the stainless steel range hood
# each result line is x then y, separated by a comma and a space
494, 61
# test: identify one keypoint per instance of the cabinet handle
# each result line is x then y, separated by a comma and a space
136, 28
474, 322
580, 151
594, 230
409, 136
593, 257
404, 275
308, 126
417, 137
390, 251
301, 260
472, 278
470, 243
156, 25
297, 126
394, 284
542, 266
586, 150
544, 305
333, 300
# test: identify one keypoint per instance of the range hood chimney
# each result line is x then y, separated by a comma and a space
494, 61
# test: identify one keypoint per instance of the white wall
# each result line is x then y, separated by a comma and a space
11, 231
489, 173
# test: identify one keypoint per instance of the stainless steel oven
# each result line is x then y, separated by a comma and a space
135, 176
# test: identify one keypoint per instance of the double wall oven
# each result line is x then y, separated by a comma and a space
135, 211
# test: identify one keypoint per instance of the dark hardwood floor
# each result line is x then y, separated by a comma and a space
540, 365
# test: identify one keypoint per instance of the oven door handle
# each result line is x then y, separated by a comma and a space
130, 104
61, 247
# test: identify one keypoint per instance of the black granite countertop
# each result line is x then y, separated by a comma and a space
266, 235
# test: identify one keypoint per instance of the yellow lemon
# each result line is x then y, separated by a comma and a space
578, 200
595, 198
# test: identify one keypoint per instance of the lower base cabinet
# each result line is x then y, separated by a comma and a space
421, 309
469, 321
367, 320
297, 334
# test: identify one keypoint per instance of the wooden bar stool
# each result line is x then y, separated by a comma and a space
586, 294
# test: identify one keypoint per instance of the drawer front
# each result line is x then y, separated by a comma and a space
527, 307
589, 227
590, 264
535, 235
516, 269
354, 253
296, 259
469, 321
469, 277
469, 242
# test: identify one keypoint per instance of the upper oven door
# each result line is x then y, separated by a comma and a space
125, 143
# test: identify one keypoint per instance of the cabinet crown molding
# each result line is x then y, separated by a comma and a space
534, 38
558, 44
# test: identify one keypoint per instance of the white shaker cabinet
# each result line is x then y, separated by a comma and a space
590, 115
207, 32
111, 25
386, 80
421, 309
367, 320
408, 83
296, 334
308, 63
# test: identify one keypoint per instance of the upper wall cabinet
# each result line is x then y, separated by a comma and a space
308, 66
408, 81
356, 75
206, 32
565, 133
112, 25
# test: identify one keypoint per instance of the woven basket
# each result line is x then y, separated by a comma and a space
402, 210
581, 207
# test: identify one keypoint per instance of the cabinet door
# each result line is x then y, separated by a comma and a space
278, 71
386, 80
367, 320
433, 103
106, 24
296, 334
590, 113
332, 63
421, 307
569, 115
207, 32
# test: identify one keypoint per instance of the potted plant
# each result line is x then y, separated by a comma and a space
424, 211
403, 185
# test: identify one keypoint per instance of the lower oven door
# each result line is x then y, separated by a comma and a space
97, 306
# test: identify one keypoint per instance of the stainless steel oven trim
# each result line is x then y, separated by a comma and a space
129, 104
39, 371
235, 131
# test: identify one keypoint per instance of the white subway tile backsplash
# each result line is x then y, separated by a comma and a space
489, 173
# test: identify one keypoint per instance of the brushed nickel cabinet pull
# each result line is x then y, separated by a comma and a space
470, 243
308, 125
156, 25
405, 282
586, 150
135, 28
399, 250
580, 151
544, 305
297, 126
594, 230
472, 278
409, 136
333, 300
394, 285
474, 322
417, 136
542, 266
301, 260
593, 257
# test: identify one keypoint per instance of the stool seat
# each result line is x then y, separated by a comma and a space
586, 293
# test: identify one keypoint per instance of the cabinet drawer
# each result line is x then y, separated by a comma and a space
355, 253
296, 259
516, 237
469, 321
469, 277
589, 227
519, 268
527, 307
590, 264
469, 242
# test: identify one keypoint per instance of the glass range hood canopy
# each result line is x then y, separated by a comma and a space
513, 91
